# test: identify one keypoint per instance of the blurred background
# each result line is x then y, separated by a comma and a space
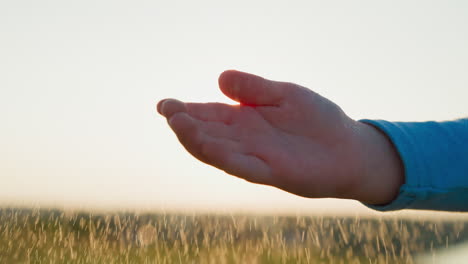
79, 81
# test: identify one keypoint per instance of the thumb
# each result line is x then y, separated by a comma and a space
250, 89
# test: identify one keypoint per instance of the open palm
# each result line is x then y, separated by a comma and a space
281, 134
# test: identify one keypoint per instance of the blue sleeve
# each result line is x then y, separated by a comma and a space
435, 160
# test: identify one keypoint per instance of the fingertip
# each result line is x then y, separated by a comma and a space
169, 107
224, 78
226, 74
229, 82
250, 89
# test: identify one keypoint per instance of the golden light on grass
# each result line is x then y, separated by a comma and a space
55, 236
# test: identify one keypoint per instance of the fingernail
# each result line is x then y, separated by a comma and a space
159, 106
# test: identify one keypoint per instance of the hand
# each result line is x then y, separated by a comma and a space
287, 136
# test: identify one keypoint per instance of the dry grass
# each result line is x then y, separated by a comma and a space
54, 236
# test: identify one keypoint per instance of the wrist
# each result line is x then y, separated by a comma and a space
382, 172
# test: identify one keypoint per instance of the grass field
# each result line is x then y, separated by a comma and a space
54, 236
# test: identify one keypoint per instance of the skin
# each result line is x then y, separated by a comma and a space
289, 137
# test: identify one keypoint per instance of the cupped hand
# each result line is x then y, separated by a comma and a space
283, 135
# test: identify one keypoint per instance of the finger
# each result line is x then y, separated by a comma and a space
169, 107
248, 167
187, 130
250, 89
219, 130
213, 112
229, 156
222, 153
193, 134
217, 152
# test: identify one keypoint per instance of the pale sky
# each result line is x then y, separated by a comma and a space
79, 81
